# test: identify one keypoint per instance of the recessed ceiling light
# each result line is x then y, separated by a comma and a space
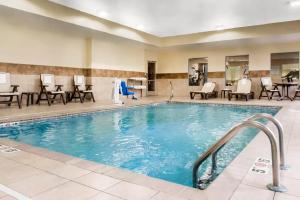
294, 3
102, 14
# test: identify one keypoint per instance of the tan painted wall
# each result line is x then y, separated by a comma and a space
42, 41
175, 59
46, 42
34, 42
117, 54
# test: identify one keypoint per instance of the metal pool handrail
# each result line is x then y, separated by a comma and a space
275, 186
283, 165
172, 91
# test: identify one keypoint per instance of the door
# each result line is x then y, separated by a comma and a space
151, 78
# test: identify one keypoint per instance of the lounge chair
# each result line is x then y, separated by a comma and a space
243, 89
268, 87
206, 90
125, 91
50, 90
8, 91
81, 89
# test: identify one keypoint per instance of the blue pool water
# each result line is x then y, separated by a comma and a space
161, 140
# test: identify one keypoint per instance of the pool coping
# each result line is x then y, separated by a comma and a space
229, 179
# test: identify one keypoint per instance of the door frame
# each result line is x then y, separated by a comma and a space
152, 93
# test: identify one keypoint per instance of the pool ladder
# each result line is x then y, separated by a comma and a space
249, 122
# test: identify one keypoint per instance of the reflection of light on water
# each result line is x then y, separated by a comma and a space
127, 148
116, 120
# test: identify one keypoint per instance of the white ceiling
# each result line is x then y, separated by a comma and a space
178, 17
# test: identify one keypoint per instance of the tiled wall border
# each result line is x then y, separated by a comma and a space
27, 69
253, 74
172, 76
216, 74
115, 73
259, 73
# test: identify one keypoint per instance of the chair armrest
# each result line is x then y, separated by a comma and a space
58, 87
88, 86
15, 88
275, 87
76, 86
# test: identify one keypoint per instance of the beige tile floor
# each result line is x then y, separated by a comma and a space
40, 174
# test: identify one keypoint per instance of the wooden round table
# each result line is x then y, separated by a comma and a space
285, 87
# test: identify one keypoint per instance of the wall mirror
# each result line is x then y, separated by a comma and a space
285, 67
236, 67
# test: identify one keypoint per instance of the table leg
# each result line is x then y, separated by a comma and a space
283, 93
28, 98
287, 94
22, 97
32, 98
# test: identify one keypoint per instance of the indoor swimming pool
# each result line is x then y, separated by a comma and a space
158, 140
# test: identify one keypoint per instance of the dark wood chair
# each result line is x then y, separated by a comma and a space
268, 89
8, 91
81, 89
297, 93
50, 90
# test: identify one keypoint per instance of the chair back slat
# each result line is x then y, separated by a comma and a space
79, 80
5, 85
208, 87
244, 86
266, 82
48, 80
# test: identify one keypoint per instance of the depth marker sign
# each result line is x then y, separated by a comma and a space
261, 166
